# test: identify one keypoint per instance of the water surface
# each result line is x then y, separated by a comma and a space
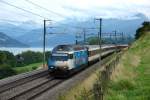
16, 50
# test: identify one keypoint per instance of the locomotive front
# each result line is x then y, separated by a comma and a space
59, 59
67, 58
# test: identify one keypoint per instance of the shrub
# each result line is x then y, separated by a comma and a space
94, 41
34, 67
122, 85
7, 58
29, 57
6, 70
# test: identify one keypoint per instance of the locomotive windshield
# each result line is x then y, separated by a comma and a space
67, 48
62, 48
59, 58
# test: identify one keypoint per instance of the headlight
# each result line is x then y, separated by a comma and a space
51, 66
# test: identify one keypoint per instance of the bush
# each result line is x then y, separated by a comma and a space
29, 57
6, 70
22, 59
122, 85
48, 54
94, 41
34, 67
8, 61
7, 58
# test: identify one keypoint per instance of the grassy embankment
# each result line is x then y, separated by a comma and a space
83, 86
27, 68
131, 79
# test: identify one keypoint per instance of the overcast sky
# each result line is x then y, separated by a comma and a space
74, 9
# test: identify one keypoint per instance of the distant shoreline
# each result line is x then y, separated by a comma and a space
18, 50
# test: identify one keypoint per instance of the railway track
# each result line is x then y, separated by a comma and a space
37, 90
23, 84
19, 81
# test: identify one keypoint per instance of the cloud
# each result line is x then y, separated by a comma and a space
79, 9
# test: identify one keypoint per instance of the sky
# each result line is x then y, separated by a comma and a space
60, 10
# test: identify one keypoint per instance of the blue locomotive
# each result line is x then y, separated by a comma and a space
66, 59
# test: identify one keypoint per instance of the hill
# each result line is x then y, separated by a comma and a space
12, 30
130, 80
6, 41
34, 33
127, 26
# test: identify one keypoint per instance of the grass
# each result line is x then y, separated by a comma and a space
27, 68
85, 85
131, 79
82, 88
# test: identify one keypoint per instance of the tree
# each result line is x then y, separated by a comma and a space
7, 61
140, 31
7, 58
6, 70
48, 54
93, 41
29, 57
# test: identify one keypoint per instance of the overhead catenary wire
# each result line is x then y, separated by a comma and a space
7, 3
7, 20
74, 26
50, 11
20, 14
58, 14
12, 20
23, 9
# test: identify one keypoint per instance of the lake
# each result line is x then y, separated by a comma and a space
16, 51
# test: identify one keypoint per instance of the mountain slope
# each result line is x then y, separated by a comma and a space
32, 34
6, 41
35, 37
12, 30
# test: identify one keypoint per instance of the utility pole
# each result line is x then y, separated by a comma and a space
115, 39
76, 40
110, 38
77, 36
115, 34
84, 32
44, 42
100, 37
122, 38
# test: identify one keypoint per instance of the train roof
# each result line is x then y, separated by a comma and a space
65, 48
69, 47
73, 47
94, 47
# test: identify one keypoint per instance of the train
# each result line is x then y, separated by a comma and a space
68, 59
